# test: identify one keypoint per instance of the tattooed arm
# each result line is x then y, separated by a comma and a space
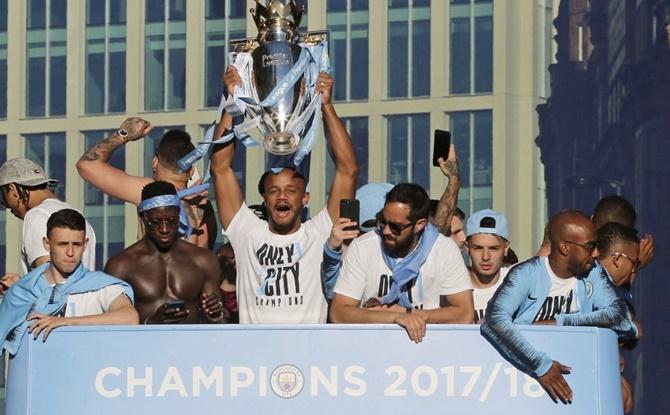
94, 165
447, 204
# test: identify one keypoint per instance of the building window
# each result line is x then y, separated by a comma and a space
48, 150
105, 213
3, 211
165, 55
408, 149
225, 21
471, 48
3, 59
358, 130
105, 56
347, 21
408, 48
473, 138
46, 58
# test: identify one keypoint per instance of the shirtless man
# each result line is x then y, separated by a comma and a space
174, 281
94, 167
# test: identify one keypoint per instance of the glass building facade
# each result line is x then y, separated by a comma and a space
48, 150
408, 48
165, 55
472, 135
347, 23
105, 56
471, 46
46, 59
402, 68
224, 21
408, 154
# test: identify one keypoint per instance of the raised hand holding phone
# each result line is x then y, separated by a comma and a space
441, 146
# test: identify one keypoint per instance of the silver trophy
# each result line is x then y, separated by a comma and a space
274, 52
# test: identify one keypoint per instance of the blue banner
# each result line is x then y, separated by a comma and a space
327, 369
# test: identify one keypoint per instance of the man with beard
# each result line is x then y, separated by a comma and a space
404, 271
278, 261
488, 244
564, 288
174, 281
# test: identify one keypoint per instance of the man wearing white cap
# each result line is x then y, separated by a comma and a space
28, 193
487, 243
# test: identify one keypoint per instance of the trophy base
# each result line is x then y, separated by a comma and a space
281, 143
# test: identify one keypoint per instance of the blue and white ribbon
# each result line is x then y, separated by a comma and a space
243, 100
185, 227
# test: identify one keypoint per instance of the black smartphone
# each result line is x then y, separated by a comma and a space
176, 305
441, 144
350, 209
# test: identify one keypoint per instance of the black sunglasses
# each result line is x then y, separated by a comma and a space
589, 246
158, 223
395, 228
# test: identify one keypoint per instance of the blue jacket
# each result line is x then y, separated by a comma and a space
32, 293
520, 297
330, 270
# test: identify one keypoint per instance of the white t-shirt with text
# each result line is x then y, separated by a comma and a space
279, 276
561, 298
93, 302
365, 275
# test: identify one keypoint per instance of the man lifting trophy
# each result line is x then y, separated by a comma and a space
279, 71
278, 86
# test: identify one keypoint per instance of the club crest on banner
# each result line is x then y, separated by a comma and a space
287, 381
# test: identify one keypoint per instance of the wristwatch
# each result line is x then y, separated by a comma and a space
122, 132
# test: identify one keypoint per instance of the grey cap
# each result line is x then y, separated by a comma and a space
24, 172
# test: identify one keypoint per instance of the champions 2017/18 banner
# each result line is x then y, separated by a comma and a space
328, 369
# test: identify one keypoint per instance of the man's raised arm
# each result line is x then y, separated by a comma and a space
228, 194
94, 165
346, 166
447, 205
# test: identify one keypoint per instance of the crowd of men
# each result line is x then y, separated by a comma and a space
408, 261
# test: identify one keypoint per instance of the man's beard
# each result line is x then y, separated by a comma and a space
401, 247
